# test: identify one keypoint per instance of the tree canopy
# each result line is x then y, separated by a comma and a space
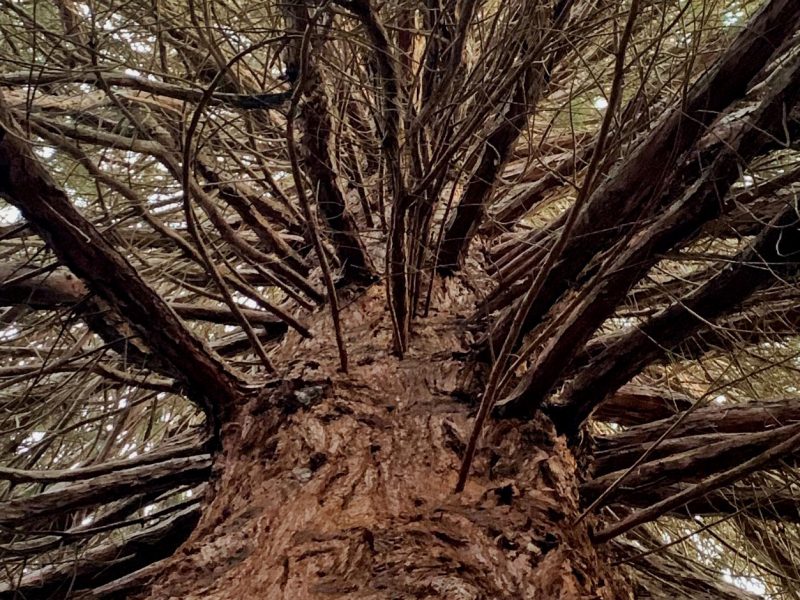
184, 185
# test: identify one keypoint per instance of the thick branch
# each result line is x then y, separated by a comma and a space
105, 488
684, 458
316, 154
763, 318
716, 418
60, 475
497, 149
698, 490
23, 181
636, 404
148, 85
609, 287
754, 500
771, 254
60, 288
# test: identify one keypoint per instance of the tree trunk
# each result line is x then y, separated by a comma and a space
341, 485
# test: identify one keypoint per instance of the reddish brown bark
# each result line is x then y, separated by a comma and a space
104, 488
350, 495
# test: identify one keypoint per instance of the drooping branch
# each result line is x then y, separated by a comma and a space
162, 147
58, 288
755, 500
54, 289
514, 259
664, 575
246, 202
529, 195
762, 318
148, 85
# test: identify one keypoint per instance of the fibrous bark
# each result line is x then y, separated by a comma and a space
353, 495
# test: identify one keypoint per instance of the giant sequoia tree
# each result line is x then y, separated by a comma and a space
420, 299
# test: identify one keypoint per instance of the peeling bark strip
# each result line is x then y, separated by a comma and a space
26, 185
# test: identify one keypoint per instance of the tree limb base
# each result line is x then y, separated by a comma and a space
351, 494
